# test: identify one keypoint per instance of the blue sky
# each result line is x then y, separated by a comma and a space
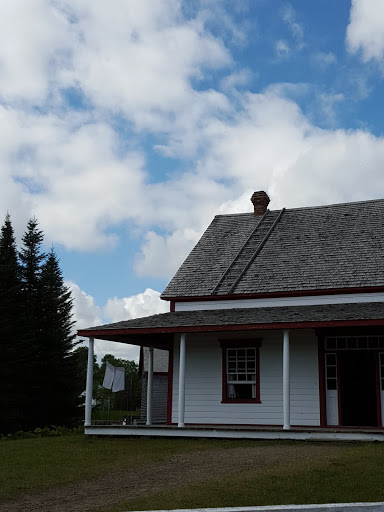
126, 126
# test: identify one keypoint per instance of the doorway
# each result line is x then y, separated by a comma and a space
358, 400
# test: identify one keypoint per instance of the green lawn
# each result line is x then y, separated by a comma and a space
29, 464
356, 475
354, 472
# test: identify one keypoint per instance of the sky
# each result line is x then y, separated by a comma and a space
125, 126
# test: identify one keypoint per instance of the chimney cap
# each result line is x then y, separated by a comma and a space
260, 200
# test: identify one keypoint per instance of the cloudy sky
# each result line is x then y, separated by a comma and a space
125, 126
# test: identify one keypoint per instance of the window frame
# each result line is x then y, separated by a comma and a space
240, 344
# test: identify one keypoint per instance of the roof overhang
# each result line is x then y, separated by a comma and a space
158, 330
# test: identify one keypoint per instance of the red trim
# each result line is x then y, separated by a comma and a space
141, 362
170, 382
258, 374
230, 327
172, 306
378, 397
225, 344
322, 393
295, 293
238, 401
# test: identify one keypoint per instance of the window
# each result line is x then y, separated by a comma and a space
241, 372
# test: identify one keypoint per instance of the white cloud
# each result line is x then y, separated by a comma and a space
138, 63
136, 306
282, 48
296, 28
365, 30
85, 312
162, 255
324, 59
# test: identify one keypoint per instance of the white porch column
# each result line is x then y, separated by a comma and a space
181, 408
286, 383
89, 385
150, 386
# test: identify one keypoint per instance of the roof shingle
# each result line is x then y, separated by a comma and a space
315, 248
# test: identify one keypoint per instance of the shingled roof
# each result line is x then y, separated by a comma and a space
338, 246
246, 318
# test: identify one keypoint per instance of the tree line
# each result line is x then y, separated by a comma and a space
42, 377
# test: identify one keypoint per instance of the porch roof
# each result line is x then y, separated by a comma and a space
139, 331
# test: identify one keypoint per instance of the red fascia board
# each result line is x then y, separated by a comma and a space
230, 327
298, 293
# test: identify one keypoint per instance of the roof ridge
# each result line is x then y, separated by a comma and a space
319, 206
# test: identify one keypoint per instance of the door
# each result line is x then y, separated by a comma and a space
357, 379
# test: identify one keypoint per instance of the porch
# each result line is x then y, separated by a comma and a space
289, 371
240, 432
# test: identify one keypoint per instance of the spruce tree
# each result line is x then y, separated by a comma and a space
31, 259
14, 340
61, 388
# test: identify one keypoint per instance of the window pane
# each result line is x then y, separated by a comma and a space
362, 342
331, 359
341, 343
231, 353
241, 366
331, 371
250, 366
241, 353
352, 343
331, 384
331, 342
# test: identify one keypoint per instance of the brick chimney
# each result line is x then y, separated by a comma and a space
260, 202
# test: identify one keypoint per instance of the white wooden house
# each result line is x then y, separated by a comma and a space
275, 329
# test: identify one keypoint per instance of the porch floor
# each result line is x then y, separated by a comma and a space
241, 432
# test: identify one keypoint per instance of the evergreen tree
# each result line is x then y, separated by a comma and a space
14, 343
56, 337
32, 259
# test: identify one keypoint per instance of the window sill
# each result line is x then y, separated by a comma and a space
235, 401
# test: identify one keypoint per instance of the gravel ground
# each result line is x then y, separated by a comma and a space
112, 488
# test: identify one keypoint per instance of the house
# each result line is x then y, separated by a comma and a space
276, 326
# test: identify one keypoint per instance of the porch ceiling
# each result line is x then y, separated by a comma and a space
156, 330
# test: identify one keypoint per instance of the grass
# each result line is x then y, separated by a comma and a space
31, 464
355, 472
355, 475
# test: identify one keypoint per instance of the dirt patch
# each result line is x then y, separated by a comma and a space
178, 470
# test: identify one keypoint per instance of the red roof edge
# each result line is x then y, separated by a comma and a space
297, 293
231, 327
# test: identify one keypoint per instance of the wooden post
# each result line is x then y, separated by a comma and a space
181, 408
286, 383
89, 385
150, 386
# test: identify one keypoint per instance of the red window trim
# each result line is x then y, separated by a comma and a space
240, 343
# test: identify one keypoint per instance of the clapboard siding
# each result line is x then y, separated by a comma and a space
203, 381
306, 300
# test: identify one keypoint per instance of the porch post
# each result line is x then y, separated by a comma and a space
150, 386
181, 408
286, 382
89, 385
